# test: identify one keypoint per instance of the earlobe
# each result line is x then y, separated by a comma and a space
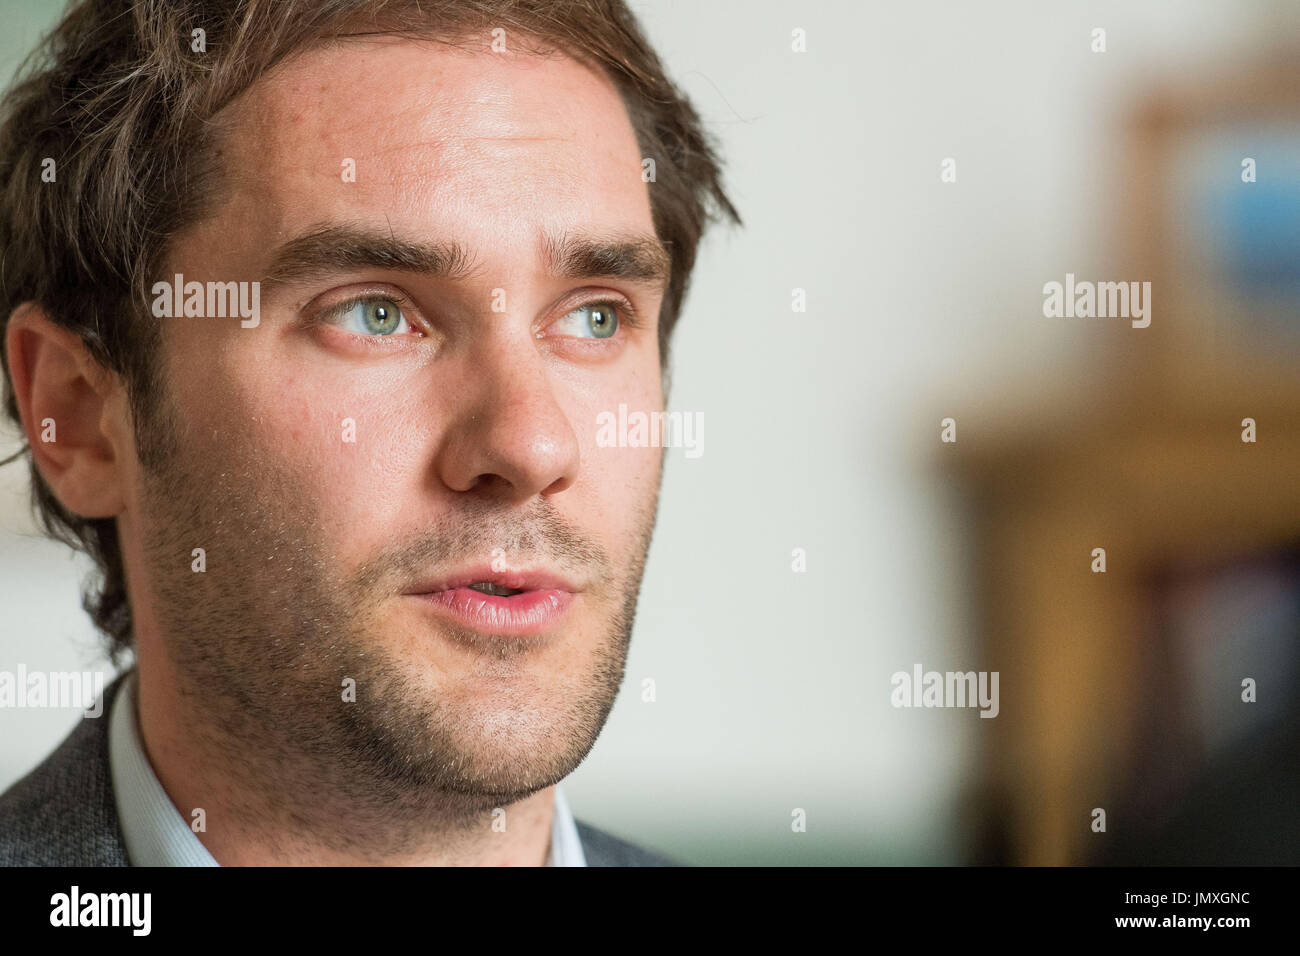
63, 394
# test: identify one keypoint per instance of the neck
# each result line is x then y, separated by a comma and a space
258, 811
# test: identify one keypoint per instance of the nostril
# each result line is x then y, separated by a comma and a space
559, 484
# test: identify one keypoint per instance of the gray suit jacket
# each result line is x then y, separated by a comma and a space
63, 812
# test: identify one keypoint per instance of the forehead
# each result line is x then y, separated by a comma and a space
394, 129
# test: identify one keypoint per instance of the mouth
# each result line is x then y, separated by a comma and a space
509, 604
496, 590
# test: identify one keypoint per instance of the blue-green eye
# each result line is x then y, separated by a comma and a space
595, 320
374, 315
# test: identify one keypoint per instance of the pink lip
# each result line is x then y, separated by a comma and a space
531, 612
541, 604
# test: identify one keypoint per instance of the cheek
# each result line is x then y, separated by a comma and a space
339, 446
363, 446
620, 476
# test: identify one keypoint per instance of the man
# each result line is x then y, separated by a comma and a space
311, 310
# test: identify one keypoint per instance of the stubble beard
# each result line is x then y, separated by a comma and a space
264, 639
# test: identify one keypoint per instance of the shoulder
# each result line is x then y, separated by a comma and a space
63, 813
605, 849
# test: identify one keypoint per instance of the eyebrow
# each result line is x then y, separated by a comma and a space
328, 249
642, 259
337, 248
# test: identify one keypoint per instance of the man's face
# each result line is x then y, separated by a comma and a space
393, 432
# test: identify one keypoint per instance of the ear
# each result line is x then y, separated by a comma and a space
73, 411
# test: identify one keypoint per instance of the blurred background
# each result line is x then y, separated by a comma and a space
1120, 690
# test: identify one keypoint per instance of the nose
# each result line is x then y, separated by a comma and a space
510, 439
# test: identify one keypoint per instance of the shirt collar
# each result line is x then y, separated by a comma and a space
155, 832
157, 835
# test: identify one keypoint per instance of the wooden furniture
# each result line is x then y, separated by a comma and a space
1140, 454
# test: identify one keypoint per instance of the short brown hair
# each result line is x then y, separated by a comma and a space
118, 99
